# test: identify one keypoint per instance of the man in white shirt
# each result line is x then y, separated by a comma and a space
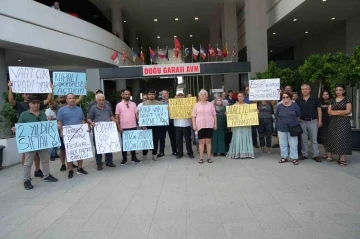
183, 130
51, 115
56, 6
145, 98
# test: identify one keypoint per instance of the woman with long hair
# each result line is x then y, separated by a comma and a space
241, 145
323, 134
340, 134
204, 123
218, 145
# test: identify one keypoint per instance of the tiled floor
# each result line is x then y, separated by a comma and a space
253, 198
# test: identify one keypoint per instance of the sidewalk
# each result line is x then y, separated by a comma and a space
252, 198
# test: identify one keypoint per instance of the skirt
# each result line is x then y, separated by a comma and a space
241, 145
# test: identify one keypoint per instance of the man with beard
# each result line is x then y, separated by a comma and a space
34, 114
62, 102
22, 107
70, 114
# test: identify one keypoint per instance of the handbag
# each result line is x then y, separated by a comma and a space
296, 131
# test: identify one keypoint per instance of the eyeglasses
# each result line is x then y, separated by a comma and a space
285, 97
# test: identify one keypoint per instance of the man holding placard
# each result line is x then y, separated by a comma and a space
126, 119
101, 112
71, 114
34, 114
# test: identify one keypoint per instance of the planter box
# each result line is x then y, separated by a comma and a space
11, 155
355, 133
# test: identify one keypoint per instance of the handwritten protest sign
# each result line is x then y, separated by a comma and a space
181, 108
77, 142
153, 115
267, 89
137, 140
242, 115
36, 136
29, 80
69, 82
106, 137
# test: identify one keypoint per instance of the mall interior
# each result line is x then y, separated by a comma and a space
82, 35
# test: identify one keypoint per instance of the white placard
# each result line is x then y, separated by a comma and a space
264, 89
77, 142
29, 80
171, 69
106, 137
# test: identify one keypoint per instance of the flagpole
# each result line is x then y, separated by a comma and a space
232, 53
224, 57
209, 53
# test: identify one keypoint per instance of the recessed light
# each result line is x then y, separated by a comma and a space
324, 0
124, 21
306, 32
155, 20
158, 36
274, 33
174, 36
270, 50
190, 35
19, 60
196, 18
176, 19
137, 38
333, 18
295, 20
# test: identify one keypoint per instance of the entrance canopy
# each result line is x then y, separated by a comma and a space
191, 69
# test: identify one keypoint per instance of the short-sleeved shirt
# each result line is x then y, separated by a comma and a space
24, 106
230, 101
265, 110
127, 114
308, 108
50, 113
204, 114
70, 115
92, 103
96, 114
287, 116
28, 117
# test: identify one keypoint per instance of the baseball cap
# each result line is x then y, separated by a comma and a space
34, 98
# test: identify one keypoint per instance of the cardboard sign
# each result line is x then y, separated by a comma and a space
267, 89
181, 108
29, 80
69, 82
171, 69
242, 115
137, 140
153, 115
77, 142
36, 136
106, 137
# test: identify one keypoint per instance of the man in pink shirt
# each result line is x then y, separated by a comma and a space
126, 119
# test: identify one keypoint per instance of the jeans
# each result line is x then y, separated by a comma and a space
29, 159
285, 140
265, 131
254, 134
98, 157
53, 152
181, 133
310, 132
124, 153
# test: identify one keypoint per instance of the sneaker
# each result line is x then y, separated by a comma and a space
144, 157
63, 168
317, 159
71, 174
110, 165
215, 155
179, 156
39, 174
135, 160
75, 166
191, 156
99, 167
256, 146
222, 154
50, 178
52, 158
160, 155
81, 171
175, 153
155, 158
123, 162
28, 185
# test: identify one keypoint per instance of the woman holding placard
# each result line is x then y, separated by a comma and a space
241, 145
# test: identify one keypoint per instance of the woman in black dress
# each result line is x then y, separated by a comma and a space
340, 128
323, 136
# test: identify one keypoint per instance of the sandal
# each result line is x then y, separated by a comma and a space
295, 162
342, 163
209, 161
200, 161
329, 159
283, 160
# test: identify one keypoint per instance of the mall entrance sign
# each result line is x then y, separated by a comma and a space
171, 69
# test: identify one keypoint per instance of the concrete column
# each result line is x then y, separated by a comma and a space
117, 20
256, 35
135, 85
120, 84
229, 37
3, 77
215, 40
352, 34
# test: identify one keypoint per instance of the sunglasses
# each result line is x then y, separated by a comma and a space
285, 97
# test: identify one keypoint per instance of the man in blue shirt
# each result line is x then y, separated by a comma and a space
71, 114
230, 99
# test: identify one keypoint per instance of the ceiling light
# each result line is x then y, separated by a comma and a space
176, 19
333, 18
158, 36
196, 18
155, 20
124, 21
174, 36
295, 20
137, 38
270, 50
190, 35
19, 60
274, 33
306, 32
324, 0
